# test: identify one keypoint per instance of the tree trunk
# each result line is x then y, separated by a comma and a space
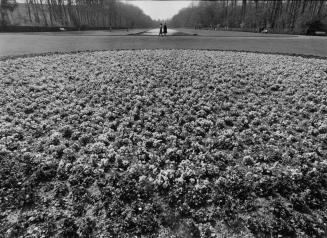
243, 10
29, 10
43, 13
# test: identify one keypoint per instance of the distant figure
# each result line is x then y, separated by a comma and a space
165, 29
160, 32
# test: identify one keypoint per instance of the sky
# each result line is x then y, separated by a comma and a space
160, 10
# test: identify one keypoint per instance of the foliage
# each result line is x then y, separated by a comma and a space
160, 143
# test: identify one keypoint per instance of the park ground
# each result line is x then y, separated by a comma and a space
16, 44
171, 142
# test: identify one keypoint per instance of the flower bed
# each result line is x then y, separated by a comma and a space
168, 143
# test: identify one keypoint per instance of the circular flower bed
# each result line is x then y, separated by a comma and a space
163, 143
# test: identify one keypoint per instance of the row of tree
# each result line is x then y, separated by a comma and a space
77, 13
276, 15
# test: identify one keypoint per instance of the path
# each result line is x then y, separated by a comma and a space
12, 44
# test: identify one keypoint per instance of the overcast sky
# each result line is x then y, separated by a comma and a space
160, 10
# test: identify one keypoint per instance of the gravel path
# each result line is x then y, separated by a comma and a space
19, 44
223, 33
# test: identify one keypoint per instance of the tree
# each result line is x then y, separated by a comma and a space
5, 7
279, 15
80, 13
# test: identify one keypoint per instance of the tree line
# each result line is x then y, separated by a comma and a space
76, 13
293, 16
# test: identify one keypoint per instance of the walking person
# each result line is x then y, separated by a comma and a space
160, 31
165, 29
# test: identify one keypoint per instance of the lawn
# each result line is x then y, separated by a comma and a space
163, 143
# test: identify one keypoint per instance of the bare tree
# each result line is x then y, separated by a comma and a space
5, 7
84, 13
278, 15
